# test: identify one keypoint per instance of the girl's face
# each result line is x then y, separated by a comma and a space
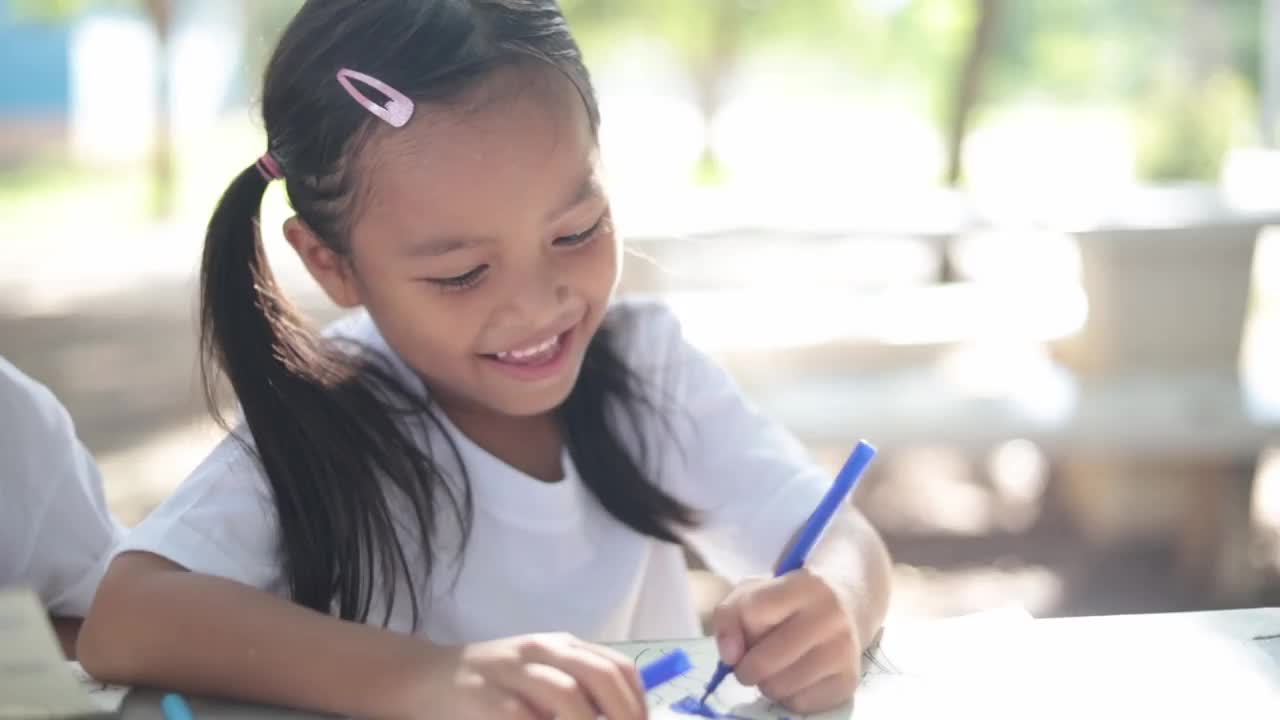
485, 251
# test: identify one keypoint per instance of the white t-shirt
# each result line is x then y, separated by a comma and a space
547, 556
56, 534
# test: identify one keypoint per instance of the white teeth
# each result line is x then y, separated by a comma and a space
529, 352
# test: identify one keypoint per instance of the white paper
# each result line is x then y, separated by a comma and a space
35, 681
911, 674
104, 696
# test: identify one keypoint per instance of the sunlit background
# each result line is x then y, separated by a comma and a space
1021, 245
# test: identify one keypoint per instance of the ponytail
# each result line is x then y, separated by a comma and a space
329, 427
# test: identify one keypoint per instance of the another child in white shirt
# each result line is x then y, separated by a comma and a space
56, 534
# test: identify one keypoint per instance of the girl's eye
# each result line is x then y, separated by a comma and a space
466, 280
582, 237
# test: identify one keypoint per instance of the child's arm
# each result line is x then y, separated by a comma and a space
798, 637
55, 529
155, 623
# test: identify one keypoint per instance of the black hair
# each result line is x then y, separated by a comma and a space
334, 430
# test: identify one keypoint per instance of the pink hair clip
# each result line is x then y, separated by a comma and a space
398, 109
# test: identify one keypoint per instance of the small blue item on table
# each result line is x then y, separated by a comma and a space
175, 707
666, 668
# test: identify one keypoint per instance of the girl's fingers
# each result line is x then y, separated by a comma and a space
626, 668
550, 691
511, 707
749, 612
825, 694
831, 657
784, 645
600, 679
731, 636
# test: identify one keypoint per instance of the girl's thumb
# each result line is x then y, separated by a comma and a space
729, 634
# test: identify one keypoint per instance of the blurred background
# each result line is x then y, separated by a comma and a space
1021, 245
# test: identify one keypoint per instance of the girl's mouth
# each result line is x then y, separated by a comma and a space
536, 361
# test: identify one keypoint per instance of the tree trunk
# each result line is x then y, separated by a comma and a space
709, 73
163, 172
1206, 42
968, 87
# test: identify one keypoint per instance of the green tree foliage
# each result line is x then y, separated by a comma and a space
710, 37
1186, 71
160, 14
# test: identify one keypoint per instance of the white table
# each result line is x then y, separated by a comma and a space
1209, 664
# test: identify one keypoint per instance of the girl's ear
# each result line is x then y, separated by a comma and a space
330, 270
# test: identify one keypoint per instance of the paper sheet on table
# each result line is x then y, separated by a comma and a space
35, 681
912, 673
1003, 665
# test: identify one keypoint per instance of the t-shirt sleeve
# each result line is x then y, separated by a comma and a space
56, 533
750, 480
221, 521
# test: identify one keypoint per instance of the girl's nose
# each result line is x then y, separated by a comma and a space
541, 298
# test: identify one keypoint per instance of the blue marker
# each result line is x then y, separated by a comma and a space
812, 530
175, 708
666, 668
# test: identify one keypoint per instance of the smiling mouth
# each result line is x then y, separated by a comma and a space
539, 354
532, 355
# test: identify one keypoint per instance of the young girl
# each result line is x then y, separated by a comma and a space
425, 509
56, 533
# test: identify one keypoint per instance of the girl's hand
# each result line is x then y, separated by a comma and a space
793, 638
532, 677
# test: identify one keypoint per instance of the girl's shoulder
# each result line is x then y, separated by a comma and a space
358, 335
649, 338
23, 399
356, 331
643, 328
35, 422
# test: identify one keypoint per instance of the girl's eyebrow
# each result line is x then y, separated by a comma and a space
433, 247
590, 187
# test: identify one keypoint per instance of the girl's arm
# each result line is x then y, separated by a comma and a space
155, 623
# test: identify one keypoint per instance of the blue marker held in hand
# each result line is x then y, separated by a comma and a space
812, 531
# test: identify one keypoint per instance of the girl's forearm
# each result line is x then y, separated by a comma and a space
153, 623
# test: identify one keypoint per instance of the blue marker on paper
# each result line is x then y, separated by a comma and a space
666, 668
812, 531
175, 708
